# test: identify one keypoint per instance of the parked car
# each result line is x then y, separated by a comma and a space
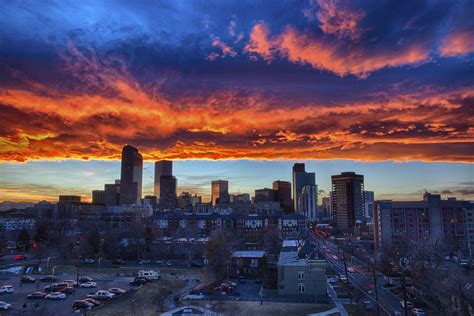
20, 257
56, 296
82, 304
117, 262
101, 295
27, 279
7, 289
368, 305
196, 265
85, 279
71, 283
92, 301
409, 304
37, 295
55, 287
88, 284
145, 262
88, 260
242, 280
67, 290
418, 311
149, 275
49, 278
117, 291
5, 306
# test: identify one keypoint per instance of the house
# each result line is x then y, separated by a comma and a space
249, 263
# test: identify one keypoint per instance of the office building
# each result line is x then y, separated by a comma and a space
264, 195
397, 223
369, 199
348, 199
185, 201
282, 195
308, 202
240, 198
98, 197
69, 199
300, 179
168, 185
150, 200
112, 194
219, 192
162, 168
131, 176
326, 207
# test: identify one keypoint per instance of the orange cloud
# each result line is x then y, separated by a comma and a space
302, 48
339, 20
457, 43
109, 108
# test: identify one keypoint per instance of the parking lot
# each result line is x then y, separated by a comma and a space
53, 307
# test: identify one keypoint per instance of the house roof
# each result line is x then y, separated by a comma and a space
249, 254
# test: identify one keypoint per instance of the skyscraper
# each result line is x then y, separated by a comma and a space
98, 197
300, 179
112, 193
264, 195
308, 202
282, 195
131, 176
219, 192
168, 186
162, 168
348, 199
369, 205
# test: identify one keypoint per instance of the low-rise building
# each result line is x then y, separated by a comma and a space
248, 263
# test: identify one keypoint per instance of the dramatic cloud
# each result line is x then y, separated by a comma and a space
458, 43
335, 18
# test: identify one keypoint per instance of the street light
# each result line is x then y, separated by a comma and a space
47, 264
98, 265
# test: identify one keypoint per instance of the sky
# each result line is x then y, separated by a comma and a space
238, 90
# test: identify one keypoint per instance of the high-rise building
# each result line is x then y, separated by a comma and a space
162, 168
219, 192
399, 222
185, 201
326, 207
131, 176
348, 199
282, 195
300, 179
112, 194
168, 186
369, 199
240, 198
69, 199
98, 197
150, 200
264, 195
308, 202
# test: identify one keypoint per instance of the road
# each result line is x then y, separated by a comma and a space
389, 303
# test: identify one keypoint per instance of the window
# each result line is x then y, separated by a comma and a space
301, 287
300, 275
254, 263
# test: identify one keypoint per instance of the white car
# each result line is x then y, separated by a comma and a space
7, 289
88, 284
101, 295
4, 305
55, 296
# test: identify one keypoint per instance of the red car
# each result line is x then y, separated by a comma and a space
19, 257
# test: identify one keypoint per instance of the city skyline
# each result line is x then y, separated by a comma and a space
38, 180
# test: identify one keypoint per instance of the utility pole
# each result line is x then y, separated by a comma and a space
376, 291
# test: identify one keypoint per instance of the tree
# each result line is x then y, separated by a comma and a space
41, 235
149, 238
93, 239
23, 241
271, 239
218, 252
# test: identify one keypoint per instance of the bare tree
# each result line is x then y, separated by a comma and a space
218, 252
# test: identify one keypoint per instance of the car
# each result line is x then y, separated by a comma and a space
409, 304
19, 257
88, 284
168, 263
55, 287
368, 305
145, 262
332, 280
55, 296
67, 290
242, 280
117, 262
138, 281
27, 279
5, 306
117, 291
160, 262
36, 295
101, 295
196, 265
85, 279
7, 289
82, 304
92, 301
71, 283
418, 311
351, 270
149, 275
49, 278
88, 260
